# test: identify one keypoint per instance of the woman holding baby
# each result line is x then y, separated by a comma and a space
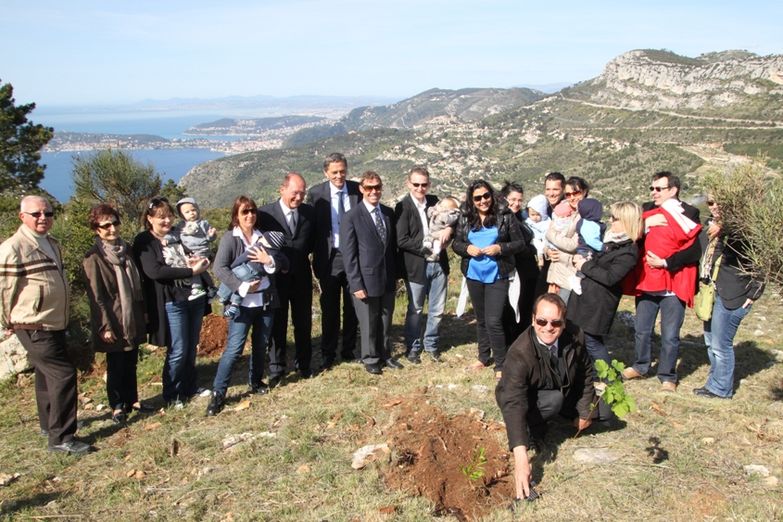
258, 300
173, 320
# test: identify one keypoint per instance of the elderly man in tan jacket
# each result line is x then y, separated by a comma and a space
34, 304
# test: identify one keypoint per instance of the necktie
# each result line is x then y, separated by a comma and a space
340, 205
292, 221
379, 225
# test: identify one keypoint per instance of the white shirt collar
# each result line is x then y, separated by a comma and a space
542, 343
285, 208
334, 190
237, 232
421, 205
370, 208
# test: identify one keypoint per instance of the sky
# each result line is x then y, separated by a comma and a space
111, 52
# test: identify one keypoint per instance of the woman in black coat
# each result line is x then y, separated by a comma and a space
595, 308
487, 238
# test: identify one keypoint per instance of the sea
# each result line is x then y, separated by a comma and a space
169, 163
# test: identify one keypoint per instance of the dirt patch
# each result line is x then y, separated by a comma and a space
457, 462
214, 332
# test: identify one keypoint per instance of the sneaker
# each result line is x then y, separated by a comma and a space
704, 392
196, 293
435, 356
669, 386
413, 358
231, 311
72, 447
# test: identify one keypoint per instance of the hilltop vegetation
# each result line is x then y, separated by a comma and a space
649, 110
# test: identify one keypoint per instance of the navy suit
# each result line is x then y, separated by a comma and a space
328, 268
370, 266
294, 287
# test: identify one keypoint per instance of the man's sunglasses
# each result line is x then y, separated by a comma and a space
38, 214
557, 323
658, 189
420, 185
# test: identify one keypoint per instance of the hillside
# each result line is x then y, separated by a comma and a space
432, 107
648, 111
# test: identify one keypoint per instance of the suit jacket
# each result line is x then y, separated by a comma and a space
410, 236
527, 369
369, 262
299, 244
320, 197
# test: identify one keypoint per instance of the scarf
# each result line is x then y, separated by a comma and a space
615, 237
128, 282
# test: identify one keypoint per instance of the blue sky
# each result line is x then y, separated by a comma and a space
89, 52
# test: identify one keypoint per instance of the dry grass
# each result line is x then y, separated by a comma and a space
681, 458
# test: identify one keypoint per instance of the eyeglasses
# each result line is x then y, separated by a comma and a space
711, 202
485, 195
371, 188
556, 323
658, 189
246, 211
613, 219
38, 214
108, 225
420, 185
156, 202
573, 194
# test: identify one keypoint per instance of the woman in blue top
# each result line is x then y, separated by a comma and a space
487, 238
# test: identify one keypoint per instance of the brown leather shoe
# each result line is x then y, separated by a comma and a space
630, 373
669, 386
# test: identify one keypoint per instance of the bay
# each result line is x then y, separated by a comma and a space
168, 163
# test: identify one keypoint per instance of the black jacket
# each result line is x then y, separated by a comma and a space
370, 264
595, 309
320, 197
410, 237
732, 284
527, 369
299, 245
510, 239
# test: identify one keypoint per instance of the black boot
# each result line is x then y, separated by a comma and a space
216, 404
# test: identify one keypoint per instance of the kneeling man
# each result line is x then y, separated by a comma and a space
547, 371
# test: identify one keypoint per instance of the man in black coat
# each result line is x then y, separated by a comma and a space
547, 371
331, 200
425, 279
296, 221
368, 246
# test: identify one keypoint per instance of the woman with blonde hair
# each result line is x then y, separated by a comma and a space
602, 287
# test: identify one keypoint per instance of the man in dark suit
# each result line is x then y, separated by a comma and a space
296, 221
368, 246
331, 200
426, 273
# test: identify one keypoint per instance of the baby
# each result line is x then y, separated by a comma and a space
248, 271
562, 218
444, 214
538, 221
590, 230
195, 234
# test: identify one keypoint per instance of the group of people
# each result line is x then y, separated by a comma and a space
545, 279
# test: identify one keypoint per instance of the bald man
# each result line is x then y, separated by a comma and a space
34, 305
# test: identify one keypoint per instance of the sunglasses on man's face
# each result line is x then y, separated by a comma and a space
38, 214
657, 189
420, 185
480, 197
556, 323
371, 188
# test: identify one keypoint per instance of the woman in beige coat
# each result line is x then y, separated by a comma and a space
117, 309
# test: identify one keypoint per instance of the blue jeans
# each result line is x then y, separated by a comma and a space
434, 290
719, 334
260, 320
672, 314
179, 369
596, 348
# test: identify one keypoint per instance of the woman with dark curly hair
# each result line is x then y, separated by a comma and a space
487, 238
116, 309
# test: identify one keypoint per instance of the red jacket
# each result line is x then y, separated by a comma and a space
664, 241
